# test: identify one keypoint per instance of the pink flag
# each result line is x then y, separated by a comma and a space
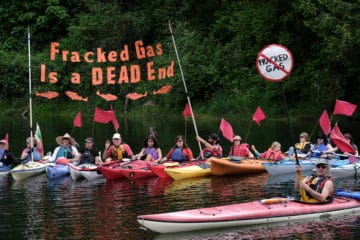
226, 129
7, 137
258, 116
77, 120
114, 120
344, 108
325, 123
186, 112
340, 141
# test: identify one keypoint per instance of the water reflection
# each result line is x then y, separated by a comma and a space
37, 208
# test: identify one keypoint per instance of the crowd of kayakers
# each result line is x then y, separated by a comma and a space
319, 186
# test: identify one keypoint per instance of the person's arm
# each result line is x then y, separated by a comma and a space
105, 153
24, 153
206, 144
53, 157
128, 150
257, 154
158, 150
74, 152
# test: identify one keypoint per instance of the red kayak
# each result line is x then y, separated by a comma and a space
267, 211
136, 169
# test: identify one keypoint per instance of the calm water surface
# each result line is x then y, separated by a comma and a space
37, 208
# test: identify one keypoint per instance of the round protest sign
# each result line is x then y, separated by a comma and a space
274, 62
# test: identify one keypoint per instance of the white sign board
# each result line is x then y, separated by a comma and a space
274, 62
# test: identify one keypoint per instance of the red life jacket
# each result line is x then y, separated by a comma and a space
241, 150
273, 155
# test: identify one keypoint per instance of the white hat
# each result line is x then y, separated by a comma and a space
322, 161
116, 136
66, 136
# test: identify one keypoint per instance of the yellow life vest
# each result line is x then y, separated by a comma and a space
117, 152
301, 145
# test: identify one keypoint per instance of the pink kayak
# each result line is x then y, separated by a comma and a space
245, 214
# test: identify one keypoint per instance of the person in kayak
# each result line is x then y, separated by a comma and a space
118, 150
319, 186
6, 157
179, 152
35, 150
322, 148
273, 152
151, 150
89, 154
212, 146
239, 148
66, 149
302, 147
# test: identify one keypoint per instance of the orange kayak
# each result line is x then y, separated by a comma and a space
227, 167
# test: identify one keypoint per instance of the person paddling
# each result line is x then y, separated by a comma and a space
212, 146
319, 186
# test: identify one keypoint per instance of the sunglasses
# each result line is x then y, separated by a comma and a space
179, 141
321, 166
302, 136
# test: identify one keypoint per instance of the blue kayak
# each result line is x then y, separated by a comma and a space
348, 194
57, 171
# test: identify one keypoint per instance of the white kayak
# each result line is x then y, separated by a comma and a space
287, 166
88, 171
345, 171
29, 169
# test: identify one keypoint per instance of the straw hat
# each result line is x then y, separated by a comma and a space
66, 136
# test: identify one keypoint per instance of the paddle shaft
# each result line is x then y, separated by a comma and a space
186, 91
290, 126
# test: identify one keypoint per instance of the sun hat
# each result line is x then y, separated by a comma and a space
116, 136
89, 139
237, 137
59, 139
322, 161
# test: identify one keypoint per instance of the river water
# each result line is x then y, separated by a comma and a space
36, 208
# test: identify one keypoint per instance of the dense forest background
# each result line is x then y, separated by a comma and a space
217, 41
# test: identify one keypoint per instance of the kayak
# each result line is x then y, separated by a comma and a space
28, 169
159, 169
113, 171
228, 167
348, 170
84, 170
136, 170
287, 166
275, 210
57, 170
4, 171
198, 170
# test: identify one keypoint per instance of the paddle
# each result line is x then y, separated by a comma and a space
185, 88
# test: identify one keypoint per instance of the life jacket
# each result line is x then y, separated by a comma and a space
65, 152
36, 155
152, 151
178, 155
209, 152
118, 153
303, 147
271, 154
318, 150
87, 157
317, 184
241, 150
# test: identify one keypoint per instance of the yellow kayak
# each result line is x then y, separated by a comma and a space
199, 170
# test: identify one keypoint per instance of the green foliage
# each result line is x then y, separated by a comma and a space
217, 42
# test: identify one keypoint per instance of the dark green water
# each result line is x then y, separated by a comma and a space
37, 208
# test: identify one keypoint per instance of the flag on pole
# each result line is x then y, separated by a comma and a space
77, 120
340, 141
325, 122
226, 129
39, 138
258, 116
102, 116
186, 112
344, 108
